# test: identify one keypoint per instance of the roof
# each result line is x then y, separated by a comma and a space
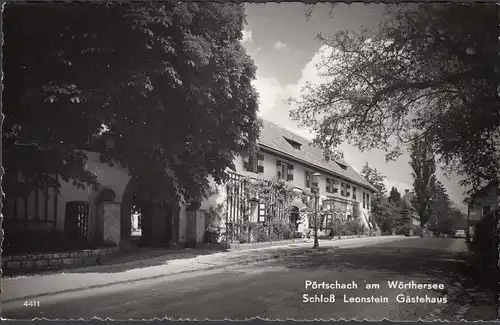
484, 190
273, 136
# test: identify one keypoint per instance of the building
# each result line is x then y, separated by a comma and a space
106, 216
95, 218
285, 155
481, 203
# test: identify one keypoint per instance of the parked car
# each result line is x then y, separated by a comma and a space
460, 233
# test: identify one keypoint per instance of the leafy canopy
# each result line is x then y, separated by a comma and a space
431, 69
394, 195
168, 85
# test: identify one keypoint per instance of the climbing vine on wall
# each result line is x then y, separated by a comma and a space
276, 194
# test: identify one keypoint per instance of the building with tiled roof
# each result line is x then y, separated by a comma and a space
283, 154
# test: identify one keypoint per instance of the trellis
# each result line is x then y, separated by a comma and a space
241, 191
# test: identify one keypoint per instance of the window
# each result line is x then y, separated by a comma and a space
367, 202
281, 169
262, 212
293, 143
344, 167
343, 189
285, 170
354, 193
486, 209
331, 185
348, 190
364, 200
290, 172
255, 163
334, 186
260, 163
308, 179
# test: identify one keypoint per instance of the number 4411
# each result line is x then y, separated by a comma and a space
32, 303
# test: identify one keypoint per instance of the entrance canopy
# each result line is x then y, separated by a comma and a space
298, 204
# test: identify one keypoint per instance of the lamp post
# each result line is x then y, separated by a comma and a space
315, 190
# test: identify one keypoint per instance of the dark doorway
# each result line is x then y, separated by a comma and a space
76, 221
294, 218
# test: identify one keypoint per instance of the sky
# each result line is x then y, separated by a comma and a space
281, 41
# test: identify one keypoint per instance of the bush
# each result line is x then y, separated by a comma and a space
353, 227
281, 230
243, 237
259, 233
335, 229
418, 231
346, 228
276, 230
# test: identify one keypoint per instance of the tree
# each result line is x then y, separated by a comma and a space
167, 85
424, 179
394, 196
382, 210
430, 68
374, 177
443, 215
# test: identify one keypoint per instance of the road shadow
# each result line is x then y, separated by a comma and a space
391, 260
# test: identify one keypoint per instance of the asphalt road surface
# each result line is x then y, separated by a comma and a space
275, 289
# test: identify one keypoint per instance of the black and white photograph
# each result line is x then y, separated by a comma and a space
239, 160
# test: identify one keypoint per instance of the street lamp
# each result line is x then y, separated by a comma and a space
315, 190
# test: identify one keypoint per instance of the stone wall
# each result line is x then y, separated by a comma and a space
36, 262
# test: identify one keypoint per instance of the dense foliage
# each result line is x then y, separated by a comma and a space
394, 195
423, 164
381, 208
167, 86
429, 68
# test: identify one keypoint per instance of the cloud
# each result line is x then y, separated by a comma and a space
279, 45
272, 107
247, 36
269, 90
273, 94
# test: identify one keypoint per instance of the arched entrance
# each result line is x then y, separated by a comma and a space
146, 221
295, 217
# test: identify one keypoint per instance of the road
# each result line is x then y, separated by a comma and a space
274, 289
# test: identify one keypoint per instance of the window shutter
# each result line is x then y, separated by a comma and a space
290, 173
251, 165
278, 165
260, 163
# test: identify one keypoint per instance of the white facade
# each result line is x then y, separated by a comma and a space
356, 193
